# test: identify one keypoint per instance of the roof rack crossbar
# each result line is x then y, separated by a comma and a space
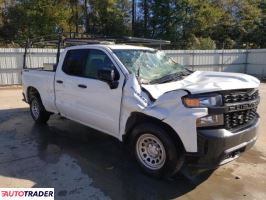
73, 36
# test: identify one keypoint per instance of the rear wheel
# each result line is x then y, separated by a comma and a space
38, 112
156, 151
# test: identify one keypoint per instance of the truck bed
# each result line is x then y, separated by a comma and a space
43, 81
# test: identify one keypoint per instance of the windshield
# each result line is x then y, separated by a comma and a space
148, 65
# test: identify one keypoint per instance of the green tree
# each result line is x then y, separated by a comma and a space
189, 24
201, 17
223, 23
167, 18
201, 43
1, 12
257, 35
34, 18
239, 20
107, 18
143, 22
183, 21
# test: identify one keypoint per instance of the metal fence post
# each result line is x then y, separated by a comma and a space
222, 66
246, 61
193, 55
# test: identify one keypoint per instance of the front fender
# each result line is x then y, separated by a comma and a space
167, 108
170, 109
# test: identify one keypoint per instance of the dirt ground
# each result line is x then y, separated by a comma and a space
81, 163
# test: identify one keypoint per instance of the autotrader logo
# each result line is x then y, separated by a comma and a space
26, 193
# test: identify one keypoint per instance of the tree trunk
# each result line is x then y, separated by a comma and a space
76, 16
87, 25
145, 9
133, 16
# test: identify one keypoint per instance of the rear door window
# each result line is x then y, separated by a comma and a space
96, 61
75, 61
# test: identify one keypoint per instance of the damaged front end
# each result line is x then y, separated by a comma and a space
210, 138
168, 108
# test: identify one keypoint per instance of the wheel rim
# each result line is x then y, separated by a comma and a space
35, 109
150, 151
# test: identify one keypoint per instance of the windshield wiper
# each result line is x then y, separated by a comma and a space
172, 77
189, 70
167, 78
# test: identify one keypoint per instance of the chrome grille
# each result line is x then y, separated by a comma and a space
236, 119
240, 96
239, 118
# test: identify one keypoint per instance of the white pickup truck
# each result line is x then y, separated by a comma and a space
167, 114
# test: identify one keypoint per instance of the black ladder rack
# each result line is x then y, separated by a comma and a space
67, 39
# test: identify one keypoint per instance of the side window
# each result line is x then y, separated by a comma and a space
97, 60
75, 61
86, 63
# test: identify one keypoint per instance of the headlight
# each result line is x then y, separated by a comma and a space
203, 101
206, 101
211, 120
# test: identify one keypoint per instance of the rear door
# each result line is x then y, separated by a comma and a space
82, 97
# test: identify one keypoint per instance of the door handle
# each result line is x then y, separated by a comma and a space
59, 81
82, 86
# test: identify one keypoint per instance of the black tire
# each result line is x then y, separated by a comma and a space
174, 155
42, 116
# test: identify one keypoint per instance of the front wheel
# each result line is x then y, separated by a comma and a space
156, 151
38, 112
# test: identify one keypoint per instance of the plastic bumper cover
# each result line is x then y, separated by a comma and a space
219, 146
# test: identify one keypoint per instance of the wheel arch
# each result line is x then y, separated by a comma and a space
31, 92
137, 118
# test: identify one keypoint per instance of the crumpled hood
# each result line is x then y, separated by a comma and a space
202, 82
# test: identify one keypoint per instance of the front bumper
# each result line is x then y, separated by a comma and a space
219, 146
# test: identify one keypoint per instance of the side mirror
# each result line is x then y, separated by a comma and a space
108, 76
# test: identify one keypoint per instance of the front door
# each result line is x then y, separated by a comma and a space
82, 97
